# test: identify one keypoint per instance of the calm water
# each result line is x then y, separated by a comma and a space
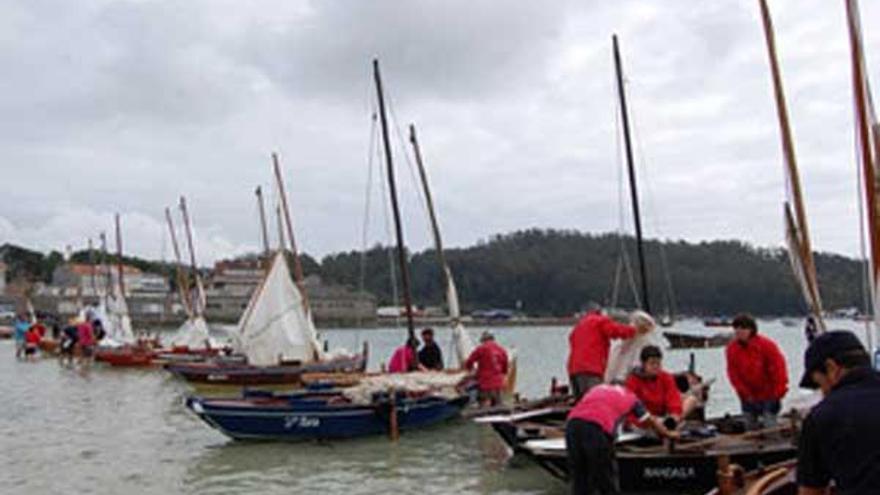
110, 431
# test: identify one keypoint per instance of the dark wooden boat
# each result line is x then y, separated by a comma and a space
644, 463
322, 415
680, 340
237, 374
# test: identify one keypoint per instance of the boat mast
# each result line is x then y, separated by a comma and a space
297, 264
263, 230
119, 269
197, 308
800, 231
401, 253
633, 190
182, 283
868, 132
92, 269
435, 227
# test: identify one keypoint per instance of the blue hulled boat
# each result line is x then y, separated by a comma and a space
318, 415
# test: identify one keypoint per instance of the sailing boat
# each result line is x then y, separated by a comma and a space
538, 433
781, 479
377, 404
120, 347
276, 332
462, 341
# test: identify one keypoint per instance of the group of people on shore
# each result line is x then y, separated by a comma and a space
839, 441
74, 342
488, 361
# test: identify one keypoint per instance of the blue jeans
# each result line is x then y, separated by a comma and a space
761, 414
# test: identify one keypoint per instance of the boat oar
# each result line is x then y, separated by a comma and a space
393, 430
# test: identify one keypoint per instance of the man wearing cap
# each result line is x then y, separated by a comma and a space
589, 344
490, 359
756, 369
840, 439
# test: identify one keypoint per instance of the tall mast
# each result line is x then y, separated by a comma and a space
634, 194
263, 230
119, 258
866, 136
182, 283
297, 264
801, 231
401, 253
92, 267
105, 269
198, 309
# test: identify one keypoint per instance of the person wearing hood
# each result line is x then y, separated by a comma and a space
840, 438
757, 370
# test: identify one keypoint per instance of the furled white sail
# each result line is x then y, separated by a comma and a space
451, 296
193, 333
275, 326
117, 322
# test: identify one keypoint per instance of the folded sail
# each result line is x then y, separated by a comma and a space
193, 333
276, 326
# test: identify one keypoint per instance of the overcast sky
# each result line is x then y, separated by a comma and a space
122, 106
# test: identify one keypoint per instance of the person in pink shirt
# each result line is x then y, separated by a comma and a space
590, 431
86, 341
404, 358
490, 359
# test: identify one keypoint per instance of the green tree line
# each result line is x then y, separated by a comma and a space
558, 272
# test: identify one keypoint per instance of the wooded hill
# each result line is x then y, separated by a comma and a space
554, 272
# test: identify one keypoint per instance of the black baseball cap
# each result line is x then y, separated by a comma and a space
827, 345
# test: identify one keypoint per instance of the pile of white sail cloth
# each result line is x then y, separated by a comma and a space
439, 384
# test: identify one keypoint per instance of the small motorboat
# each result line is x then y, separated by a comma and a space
6, 332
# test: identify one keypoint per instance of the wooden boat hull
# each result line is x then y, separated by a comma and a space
243, 375
126, 357
676, 471
679, 340
309, 418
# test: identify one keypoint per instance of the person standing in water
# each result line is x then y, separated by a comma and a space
491, 363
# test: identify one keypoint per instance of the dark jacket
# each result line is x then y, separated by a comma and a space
430, 356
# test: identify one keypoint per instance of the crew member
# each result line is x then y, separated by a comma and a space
20, 326
757, 371
85, 338
31, 343
840, 438
656, 387
429, 355
490, 359
404, 358
590, 432
589, 343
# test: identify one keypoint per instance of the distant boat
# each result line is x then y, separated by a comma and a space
717, 321
682, 340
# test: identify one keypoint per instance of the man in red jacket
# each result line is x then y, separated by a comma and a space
588, 345
490, 360
757, 371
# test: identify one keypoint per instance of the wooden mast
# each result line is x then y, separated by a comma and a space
633, 190
297, 264
263, 230
119, 268
868, 154
802, 234
197, 308
435, 226
401, 253
182, 283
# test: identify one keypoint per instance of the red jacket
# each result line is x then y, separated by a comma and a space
590, 341
659, 393
757, 369
491, 361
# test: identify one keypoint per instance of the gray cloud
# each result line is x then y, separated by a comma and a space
122, 106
